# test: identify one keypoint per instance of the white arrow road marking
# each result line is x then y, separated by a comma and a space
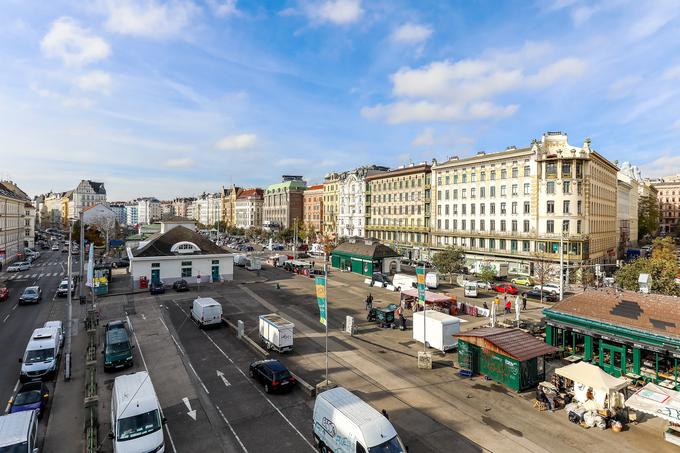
191, 413
221, 375
143, 316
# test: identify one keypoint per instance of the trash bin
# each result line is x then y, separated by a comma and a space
143, 282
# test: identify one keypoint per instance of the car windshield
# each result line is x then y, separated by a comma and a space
138, 425
29, 291
16, 448
29, 397
117, 348
39, 355
393, 445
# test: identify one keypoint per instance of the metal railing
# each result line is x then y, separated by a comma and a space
91, 401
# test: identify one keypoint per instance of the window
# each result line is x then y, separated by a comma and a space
565, 207
527, 189
513, 245
492, 191
473, 177
472, 209
501, 244
550, 187
446, 223
493, 175
455, 179
482, 208
565, 226
550, 226
492, 225
514, 226
455, 209
464, 177
551, 168
503, 191
155, 265
463, 193
525, 226
439, 224
446, 194
439, 180
472, 192
578, 227
455, 194
515, 172
448, 180
455, 224
527, 170
579, 188
482, 192
504, 173
527, 207
462, 224
514, 190
566, 187
503, 223
503, 208
463, 209
481, 243
472, 225
481, 225
514, 207
578, 207
550, 208
492, 208
446, 209
439, 209
482, 176
525, 246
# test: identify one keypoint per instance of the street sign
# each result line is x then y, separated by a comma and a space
321, 298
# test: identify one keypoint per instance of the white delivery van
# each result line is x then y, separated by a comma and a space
136, 421
343, 423
19, 432
206, 311
317, 249
276, 333
404, 281
439, 328
432, 280
60, 331
470, 289
254, 263
40, 359
240, 259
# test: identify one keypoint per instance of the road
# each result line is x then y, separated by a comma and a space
18, 322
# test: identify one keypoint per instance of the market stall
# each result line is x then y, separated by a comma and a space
441, 302
661, 402
597, 397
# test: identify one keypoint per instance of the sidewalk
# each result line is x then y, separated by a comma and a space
65, 427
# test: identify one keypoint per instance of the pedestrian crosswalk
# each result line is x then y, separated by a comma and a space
47, 264
28, 275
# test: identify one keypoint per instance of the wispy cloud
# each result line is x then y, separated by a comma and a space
236, 142
425, 138
95, 81
223, 8
411, 33
149, 18
73, 44
338, 12
182, 162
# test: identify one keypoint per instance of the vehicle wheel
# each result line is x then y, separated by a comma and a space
324, 449
250, 373
267, 389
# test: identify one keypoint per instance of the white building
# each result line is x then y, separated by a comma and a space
120, 211
628, 181
352, 200
148, 210
131, 214
208, 209
178, 252
248, 208
88, 193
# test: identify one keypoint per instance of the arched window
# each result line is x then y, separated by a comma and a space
185, 247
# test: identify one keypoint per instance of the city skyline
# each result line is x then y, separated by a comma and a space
178, 98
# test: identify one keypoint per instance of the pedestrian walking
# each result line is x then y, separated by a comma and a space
507, 307
524, 301
369, 301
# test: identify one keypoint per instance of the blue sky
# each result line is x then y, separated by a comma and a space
175, 98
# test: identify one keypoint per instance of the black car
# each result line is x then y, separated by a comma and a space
272, 374
536, 294
121, 262
156, 288
380, 277
180, 285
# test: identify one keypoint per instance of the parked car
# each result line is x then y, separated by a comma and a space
525, 281
4, 293
536, 294
19, 266
549, 288
31, 295
485, 285
117, 348
55, 247
44, 246
508, 288
380, 277
31, 396
156, 288
121, 262
272, 374
62, 290
19, 432
180, 285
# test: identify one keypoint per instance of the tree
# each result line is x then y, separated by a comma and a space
544, 268
662, 273
664, 249
487, 272
449, 261
649, 217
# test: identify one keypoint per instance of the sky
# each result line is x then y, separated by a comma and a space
175, 98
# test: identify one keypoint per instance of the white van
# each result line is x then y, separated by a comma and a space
19, 432
60, 331
206, 311
40, 359
404, 281
136, 422
343, 423
470, 289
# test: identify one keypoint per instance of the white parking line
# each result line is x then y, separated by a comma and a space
5, 320
199, 378
139, 347
16, 386
231, 429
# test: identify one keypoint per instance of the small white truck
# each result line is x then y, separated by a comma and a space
253, 263
276, 333
206, 311
439, 329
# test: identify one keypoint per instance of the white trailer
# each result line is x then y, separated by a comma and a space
276, 333
439, 329
254, 263
240, 260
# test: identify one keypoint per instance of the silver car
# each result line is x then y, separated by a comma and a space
19, 266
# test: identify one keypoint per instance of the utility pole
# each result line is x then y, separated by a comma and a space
325, 273
69, 330
561, 266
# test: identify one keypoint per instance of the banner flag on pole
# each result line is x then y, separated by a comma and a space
321, 298
420, 274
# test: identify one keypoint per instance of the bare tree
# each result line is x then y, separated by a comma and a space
543, 268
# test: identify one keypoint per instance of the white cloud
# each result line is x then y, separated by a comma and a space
73, 44
97, 81
624, 86
339, 12
672, 73
182, 162
425, 138
656, 16
235, 142
412, 33
223, 8
665, 165
149, 18
464, 89
65, 101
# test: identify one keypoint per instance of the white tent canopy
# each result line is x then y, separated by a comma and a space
591, 376
658, 401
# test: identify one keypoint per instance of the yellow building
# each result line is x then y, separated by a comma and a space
398, 209
228, 196
330, 204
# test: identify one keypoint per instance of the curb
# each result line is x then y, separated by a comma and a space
309, 389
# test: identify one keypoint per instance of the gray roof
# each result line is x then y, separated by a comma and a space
161, 244
365, 247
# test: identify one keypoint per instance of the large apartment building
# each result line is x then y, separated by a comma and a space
330, 202
398, 209
16, 222
516, 206
248, 208
668, 194
312, 208
352, 200
228, 197
148, 210
87, 194
283, 203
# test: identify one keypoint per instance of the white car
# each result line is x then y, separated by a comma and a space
55, 247
552, 288
20, 266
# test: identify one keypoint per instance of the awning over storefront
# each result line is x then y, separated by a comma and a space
591, 376
658, 401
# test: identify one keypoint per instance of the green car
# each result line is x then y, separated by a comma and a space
117, 348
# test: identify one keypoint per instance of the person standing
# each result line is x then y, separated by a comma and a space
524, 301
507, 307
369, 301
